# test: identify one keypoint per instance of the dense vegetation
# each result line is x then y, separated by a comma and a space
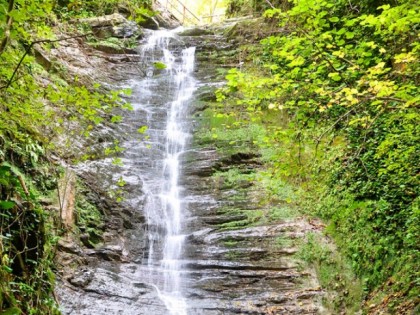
254, 7
331, 102
38, 106
337, 92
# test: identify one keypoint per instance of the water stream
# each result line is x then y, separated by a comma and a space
164, 252
164, 207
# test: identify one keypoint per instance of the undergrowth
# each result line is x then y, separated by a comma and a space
43, 113
331, 103
344, 290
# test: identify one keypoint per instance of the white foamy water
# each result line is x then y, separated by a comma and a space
164, 204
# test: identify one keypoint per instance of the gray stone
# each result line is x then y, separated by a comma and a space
239, 271
196, 31
106, 20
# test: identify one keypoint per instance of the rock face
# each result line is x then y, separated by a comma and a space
164, 19
106, 20
114, 25
224, 270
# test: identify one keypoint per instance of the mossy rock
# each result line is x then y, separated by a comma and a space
113, 45
196, 31
250, 30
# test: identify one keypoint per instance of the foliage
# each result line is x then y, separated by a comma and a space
113, 44
135, 9
338, 95
26, 244
37, 108
229, 131
333, 272
159, 65
253, 7
231, 178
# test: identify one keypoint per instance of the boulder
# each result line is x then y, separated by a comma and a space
114, 25
196, 31
163, 19
106, 20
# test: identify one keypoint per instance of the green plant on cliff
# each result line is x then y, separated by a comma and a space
26, 243
254, 7
136, 10
343, 80
36, 109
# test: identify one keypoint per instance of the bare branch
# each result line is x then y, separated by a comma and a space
269, 3
22, 183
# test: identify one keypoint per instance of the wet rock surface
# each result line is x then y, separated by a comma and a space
224, 271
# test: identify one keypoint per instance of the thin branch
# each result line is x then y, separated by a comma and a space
322, 54
394, 99
9, 23
318, 140
334, 124
22, 183
346, 60
269, 3
320, 51
362, 146
28, 49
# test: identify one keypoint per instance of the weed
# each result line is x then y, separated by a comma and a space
344, 290
282, 213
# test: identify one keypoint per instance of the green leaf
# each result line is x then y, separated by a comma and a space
117, 162
349, 35
11, 168
142, 129
12, 311
127, 92
350, 22
340, 42
335, 76
341, 31
7, 269
116, 119
6, 205
159, 65
334, 19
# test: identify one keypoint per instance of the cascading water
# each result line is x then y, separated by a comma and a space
142, 271
164, 206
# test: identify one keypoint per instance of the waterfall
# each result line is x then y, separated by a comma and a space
164, 207
182, 242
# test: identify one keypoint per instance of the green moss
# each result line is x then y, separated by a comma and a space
233, 255
114, 45
89, 219
335, 274
226, 135
377, 256
252, 217
232, 178
230, 243
284, 242
282, 213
